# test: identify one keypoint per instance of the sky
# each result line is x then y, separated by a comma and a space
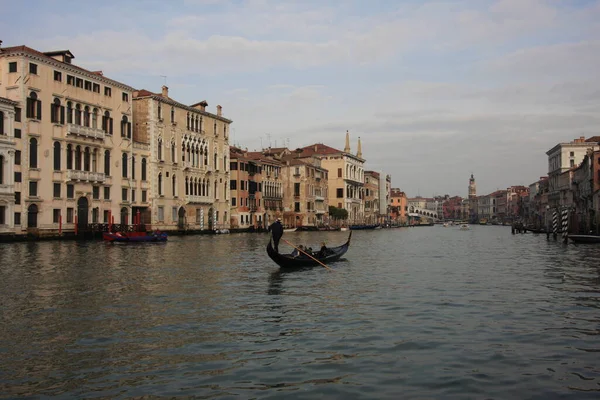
436, 90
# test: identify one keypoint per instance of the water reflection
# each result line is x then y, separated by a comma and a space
411, 313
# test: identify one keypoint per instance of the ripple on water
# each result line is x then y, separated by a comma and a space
410, 313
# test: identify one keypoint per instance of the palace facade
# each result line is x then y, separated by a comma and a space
71, 129
187, 164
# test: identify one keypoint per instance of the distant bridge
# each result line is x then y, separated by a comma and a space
422, 212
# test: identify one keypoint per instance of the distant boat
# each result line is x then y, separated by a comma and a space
483, 221
585, 238
464, 227
362, 227
306, 229
134, 237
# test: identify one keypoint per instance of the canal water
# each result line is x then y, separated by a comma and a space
428, 312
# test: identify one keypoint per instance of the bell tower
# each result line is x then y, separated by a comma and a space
472, 188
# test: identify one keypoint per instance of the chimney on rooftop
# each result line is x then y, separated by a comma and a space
219, 110
316, 148
165, 91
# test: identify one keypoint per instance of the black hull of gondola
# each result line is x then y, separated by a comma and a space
286, 261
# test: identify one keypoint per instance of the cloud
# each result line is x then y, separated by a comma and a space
436, 90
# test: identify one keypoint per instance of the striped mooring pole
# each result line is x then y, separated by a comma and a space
554, 222
565, 223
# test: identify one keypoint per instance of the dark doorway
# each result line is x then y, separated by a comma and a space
82, 214
124, 216
210, 219
32, 212
181, 220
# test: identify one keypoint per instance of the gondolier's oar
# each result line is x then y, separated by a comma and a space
303, 252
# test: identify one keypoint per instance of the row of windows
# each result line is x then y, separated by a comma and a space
194, 123
71, 80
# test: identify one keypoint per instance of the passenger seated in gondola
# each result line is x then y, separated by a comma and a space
323, 251
296, 253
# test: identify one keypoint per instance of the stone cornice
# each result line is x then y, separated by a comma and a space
183, 106
67, 67
9, 102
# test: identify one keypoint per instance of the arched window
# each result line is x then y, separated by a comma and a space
159, 149
224, 163
2, 170
125, 132
33, 160
86, 159
57, 151
86, 116
107, 162
187, 192
34, 106
215, 164
172, 115
215, 129
159, 111
55, 111
69, 112
160, 187
132, 167
173, 159
95, 160
216, 192
95, 118
205, 155
107, 123
69, 156
143, 169
124, 164
188, 121
183, 152
78, 114
197, 128
174, 185
78, 158
2, 123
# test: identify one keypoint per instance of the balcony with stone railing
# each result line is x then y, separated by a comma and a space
319, 198
189, 166
85, 176
92, 133
199, 199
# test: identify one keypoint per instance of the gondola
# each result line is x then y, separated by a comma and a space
287, 261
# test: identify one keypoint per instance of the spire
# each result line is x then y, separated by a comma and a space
347, 148
359, 151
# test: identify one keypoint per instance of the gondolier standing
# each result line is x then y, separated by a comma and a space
277, 231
